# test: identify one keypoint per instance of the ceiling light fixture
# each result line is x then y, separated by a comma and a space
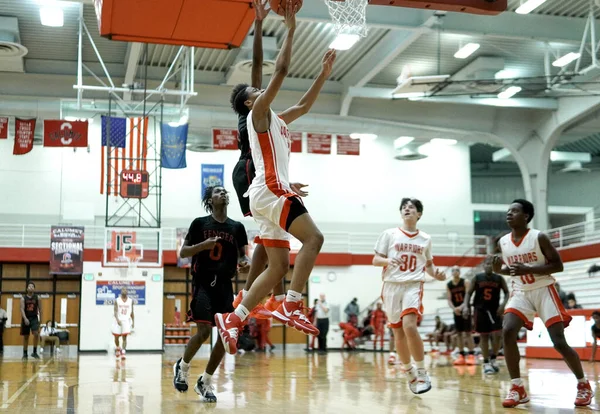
344, 41
402, 141
509, 92
357, 135
566, 59
466, 51
443, 141
52, 16
529, 6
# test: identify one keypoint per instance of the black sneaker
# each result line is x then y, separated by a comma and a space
24, 357
205, 390
35, 355
180, 377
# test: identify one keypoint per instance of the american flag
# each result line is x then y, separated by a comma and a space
127, 145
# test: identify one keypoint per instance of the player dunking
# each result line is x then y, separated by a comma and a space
123, 322
277, 210
244, 172
217, 245
530, 258
405, 255
488, 312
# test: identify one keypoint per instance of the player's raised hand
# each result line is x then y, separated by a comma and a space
298, 189
290, 15
261, 8
439, 275
328, 60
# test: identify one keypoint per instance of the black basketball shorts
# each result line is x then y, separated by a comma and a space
243, 174
209, 300
34, 326
462, 324
487, 321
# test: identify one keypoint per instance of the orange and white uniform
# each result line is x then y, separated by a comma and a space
532, 293
271, 198
124, 309
402, 291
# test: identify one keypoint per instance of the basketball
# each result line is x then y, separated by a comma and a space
278, 6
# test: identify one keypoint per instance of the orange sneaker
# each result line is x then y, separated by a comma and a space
238, 299
584, 394
272, 304
292, 315
460, 360
517, 395
228, 326
470, 360
259, 312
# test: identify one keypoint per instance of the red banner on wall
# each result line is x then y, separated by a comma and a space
24, 130
296, 138
319, 143
225, 139
59, 133
347, 145
3, 127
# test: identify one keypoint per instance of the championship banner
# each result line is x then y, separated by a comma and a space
296, 145
3, 127
59, 133
212, 175
225, 139
107, 291
24, 130
347, 145
319, 143
66, 250
181, 233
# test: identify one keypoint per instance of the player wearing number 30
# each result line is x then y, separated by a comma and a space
405, 254
530, 258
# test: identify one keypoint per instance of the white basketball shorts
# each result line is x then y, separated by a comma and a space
123, 330
544, 301
400, 299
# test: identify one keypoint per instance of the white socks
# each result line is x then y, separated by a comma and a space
517, 381
244, 293
242, 312
184, 365
206, 378
420, 364
293, 296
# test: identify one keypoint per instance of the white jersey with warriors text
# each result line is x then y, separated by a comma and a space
527, 251
271, 155
124, 308
412, 250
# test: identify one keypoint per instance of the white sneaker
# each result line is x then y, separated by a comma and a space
393, 359
423, 381
494, 365
123, 354
206, 390
488, 369
411, 377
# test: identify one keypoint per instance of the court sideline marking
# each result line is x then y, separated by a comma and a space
24, 386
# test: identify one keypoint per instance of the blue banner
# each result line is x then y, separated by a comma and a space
107, 291
212, 175
174, 141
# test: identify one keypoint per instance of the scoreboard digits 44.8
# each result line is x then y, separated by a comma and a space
134, 184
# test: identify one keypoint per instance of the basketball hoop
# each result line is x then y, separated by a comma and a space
348, 16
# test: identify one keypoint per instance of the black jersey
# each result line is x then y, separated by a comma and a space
222, 260
487, 291
243, 138
32, 306
595, 332
457, 292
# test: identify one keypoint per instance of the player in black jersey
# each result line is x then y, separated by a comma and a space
217, 245
595, 333
488, 312
30, 319
456, 290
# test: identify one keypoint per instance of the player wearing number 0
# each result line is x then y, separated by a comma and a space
405, 255
488, 312
123, 322
529, 258
217, 246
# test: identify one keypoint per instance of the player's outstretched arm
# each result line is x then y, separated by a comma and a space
309, 98
257, 46
262, 105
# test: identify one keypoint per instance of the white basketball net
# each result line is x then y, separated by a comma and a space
349, 16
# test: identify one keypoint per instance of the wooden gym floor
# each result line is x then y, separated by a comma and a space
273, 383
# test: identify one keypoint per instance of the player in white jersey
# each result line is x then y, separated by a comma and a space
405, 254
275, 206
123, 322
530, 258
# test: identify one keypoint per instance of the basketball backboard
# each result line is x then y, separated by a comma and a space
123, 246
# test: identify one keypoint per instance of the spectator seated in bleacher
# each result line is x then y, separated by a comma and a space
593, 269
438, 334
595, 334
572, 302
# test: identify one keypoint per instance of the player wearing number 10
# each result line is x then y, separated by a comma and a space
530, 258
217, 245
405, 255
